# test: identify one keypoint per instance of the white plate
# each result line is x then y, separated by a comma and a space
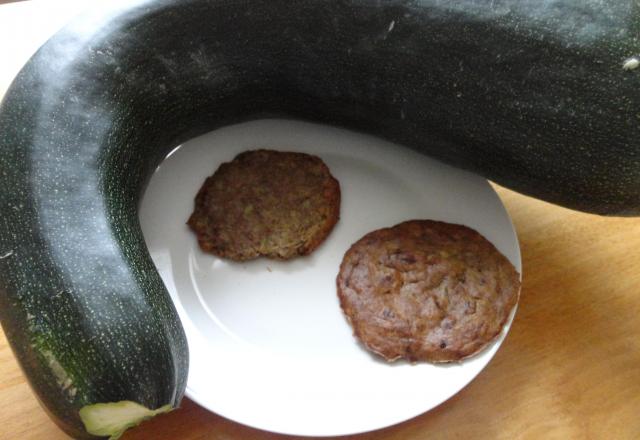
269, 346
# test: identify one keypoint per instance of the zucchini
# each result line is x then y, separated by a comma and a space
540, 98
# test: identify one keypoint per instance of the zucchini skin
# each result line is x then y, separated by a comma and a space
533, 97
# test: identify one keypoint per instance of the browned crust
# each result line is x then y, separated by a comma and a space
426, 291
266, 203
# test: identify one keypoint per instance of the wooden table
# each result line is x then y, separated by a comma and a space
569, 369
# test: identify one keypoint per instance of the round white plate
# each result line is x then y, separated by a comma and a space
269, 345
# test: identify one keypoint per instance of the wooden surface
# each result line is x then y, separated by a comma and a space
569, 369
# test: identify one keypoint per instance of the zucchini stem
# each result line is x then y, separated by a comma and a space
114, 418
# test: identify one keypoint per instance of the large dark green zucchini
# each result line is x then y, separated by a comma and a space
541, 97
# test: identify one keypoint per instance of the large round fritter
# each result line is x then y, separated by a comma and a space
426, 291
266, 203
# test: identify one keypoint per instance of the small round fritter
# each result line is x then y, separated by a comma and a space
266, 203
426, 291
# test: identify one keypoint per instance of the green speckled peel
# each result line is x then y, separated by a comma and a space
539, 97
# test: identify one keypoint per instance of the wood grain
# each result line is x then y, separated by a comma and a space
569, 369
